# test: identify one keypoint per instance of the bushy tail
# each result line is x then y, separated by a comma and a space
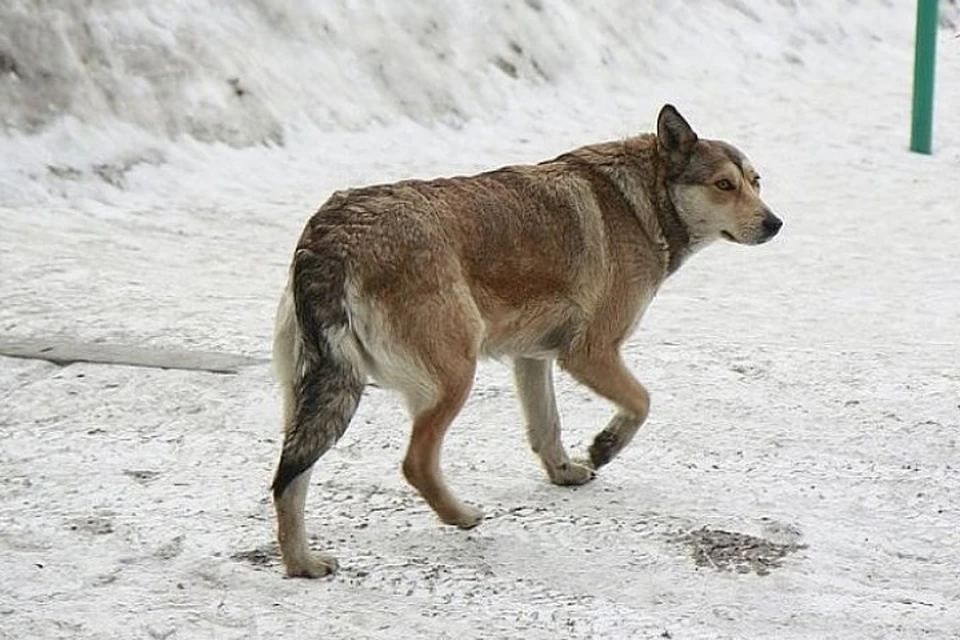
320, 386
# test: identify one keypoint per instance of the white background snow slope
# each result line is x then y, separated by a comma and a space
157, 163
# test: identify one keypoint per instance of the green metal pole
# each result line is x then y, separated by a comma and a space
923, 63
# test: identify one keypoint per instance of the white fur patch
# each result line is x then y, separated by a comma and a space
369, 343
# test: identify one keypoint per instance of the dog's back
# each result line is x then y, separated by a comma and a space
531, 249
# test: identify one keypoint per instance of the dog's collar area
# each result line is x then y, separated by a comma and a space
675, 232
678, 238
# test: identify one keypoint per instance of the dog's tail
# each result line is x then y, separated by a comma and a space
320, 382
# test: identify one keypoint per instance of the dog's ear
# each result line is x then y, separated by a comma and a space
675, 137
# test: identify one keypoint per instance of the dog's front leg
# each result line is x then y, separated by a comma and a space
604, 372
534, 379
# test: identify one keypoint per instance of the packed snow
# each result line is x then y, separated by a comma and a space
799, 476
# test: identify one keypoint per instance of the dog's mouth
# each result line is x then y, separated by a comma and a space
765, 239
728, 236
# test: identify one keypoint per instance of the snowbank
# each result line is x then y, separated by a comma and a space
91, 90
244, 72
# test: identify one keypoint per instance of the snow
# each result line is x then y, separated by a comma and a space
805, 393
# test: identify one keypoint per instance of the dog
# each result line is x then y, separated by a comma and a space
410, 283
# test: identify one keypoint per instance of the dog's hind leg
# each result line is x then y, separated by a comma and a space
320, 391
421, 466
324, 406
534, 382
434, 345
604, 372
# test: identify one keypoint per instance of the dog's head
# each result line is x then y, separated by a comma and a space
714, 188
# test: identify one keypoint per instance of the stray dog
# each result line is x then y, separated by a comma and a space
410, 283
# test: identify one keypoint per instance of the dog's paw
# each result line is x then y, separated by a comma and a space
467, 517
313, 565
572, 473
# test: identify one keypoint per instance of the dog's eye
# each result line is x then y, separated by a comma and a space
724, 185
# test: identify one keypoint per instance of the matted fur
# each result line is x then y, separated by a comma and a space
410, 283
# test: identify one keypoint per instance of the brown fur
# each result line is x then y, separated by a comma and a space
410, 283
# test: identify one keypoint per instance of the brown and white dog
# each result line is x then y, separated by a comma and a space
410, 283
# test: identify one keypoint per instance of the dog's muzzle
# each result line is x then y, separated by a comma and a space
770, 226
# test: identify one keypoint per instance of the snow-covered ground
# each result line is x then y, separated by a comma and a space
800, 473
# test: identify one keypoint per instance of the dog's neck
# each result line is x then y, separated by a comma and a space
642, 150
597, 160
675, 232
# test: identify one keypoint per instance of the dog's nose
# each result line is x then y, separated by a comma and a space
771, 224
